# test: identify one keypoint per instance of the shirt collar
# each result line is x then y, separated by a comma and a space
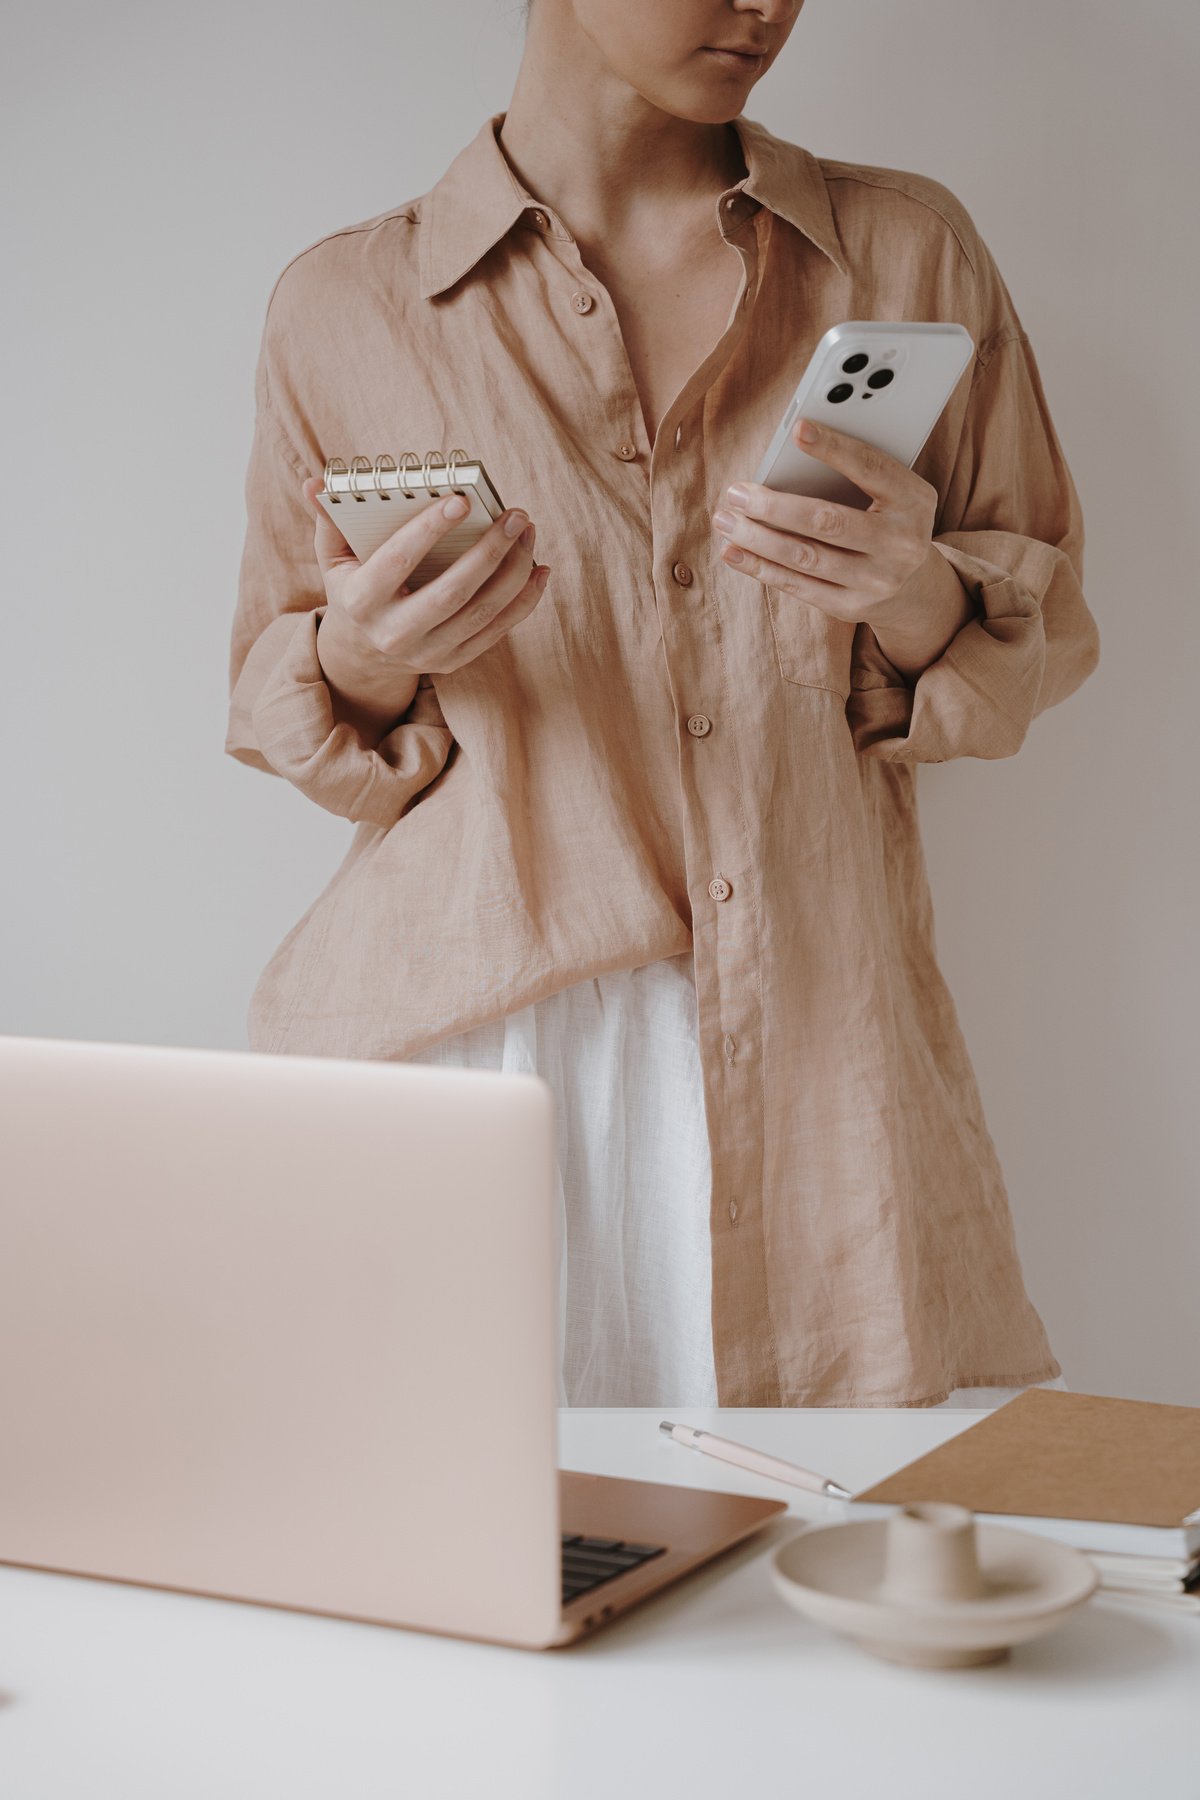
479, 199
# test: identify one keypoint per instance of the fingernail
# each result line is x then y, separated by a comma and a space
543, 576
807, 430
456, 508
515, 522
527, 537
737, 496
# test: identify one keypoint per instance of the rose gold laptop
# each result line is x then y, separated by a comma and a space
284, 1330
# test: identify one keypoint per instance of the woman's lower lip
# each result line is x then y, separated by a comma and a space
733, 59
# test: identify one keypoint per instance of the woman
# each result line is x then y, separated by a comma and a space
649, 828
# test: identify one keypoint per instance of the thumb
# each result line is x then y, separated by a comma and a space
332, 550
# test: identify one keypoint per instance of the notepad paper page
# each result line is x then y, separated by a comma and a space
368, 519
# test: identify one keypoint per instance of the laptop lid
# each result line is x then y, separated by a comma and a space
282, 1328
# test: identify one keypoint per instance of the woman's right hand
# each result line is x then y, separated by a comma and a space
377, 634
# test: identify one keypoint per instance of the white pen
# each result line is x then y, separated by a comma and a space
757, 1461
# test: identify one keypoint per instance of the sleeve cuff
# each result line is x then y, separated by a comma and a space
977, 699
293, 730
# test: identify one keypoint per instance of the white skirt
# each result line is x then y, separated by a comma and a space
620, 1054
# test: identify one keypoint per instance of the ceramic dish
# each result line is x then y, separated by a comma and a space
932, 1587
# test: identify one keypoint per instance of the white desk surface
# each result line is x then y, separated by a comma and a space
715, 1687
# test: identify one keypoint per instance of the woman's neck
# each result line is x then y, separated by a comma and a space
613, 165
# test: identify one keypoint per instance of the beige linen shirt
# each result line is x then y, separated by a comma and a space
667, 755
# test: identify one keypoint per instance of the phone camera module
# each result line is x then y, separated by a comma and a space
880, 377
854, 363
840, 391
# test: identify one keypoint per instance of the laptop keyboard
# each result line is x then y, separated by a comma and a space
587, 1562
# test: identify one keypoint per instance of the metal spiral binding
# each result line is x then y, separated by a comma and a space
379, 462
359, 465
332, 463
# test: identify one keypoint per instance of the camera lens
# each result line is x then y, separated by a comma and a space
854, 363
841, 391
880, 378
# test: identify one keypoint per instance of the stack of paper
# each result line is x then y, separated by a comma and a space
1119, 1479
1168, 1580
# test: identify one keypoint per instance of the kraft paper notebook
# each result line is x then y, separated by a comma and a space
369, 499
1085, 1469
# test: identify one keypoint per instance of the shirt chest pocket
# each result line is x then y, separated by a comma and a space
812, 649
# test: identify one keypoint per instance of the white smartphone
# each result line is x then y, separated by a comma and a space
880, 380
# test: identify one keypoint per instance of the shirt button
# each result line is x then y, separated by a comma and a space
540, 220
678, 435
682, 574
719, 888
733, 1211
699, 726
627, 452
729, 1046
582, 302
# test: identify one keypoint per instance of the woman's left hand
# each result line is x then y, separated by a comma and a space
860, 566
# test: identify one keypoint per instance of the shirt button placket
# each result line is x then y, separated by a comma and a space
582, 302
704, 667
719, 889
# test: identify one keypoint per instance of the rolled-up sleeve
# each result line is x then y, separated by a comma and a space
1012, 529
281, 716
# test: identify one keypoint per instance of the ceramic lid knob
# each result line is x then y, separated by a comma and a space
930, 1554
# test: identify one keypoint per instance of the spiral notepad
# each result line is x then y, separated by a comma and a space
368, 501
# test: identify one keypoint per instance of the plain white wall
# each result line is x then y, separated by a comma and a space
166, 161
